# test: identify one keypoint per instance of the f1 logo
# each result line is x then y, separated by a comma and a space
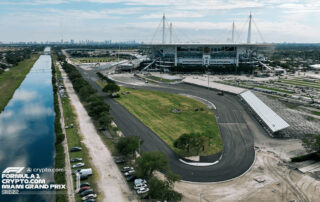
13, 170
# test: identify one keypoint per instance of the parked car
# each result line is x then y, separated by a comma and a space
126, 169
78, 165
87, 192
84, 188
90, 196
141, 185
119, 160
142, 190
85, 184
102, 129
130, 172
73, 149
130, 178
86, 171
90, 200
139, 181
76, 159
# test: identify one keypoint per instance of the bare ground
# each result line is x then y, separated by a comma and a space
281, 184
111, 182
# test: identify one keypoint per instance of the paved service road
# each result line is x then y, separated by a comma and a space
238, 152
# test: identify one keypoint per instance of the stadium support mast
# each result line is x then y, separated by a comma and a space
249, 29
232, 39
170, 32
163, 28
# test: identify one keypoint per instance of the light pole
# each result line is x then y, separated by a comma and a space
207, 66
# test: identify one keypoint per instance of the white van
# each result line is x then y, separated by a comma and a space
87, 171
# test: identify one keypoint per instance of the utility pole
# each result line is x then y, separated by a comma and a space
249, 29
170, 32
163, 28
232, 32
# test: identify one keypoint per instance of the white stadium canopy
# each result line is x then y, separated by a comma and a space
267, 115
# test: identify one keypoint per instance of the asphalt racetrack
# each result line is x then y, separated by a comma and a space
238, 152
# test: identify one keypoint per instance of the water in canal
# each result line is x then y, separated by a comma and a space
27, 129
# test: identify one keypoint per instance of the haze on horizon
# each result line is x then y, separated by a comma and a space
193, 21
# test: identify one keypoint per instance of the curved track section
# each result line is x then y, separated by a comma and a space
238, 152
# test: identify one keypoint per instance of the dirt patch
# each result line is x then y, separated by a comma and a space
277, 183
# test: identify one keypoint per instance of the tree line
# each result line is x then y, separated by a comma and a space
146, 165
97, 109
111, 86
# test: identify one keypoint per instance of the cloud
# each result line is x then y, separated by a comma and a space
24, 95
14, 128
11, 129
138, 19
6, 114
36, 111
181, 14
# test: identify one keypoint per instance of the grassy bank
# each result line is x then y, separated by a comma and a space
59, 177
154, 109
74, 139
11, 80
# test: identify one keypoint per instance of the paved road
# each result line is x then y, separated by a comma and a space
238, 152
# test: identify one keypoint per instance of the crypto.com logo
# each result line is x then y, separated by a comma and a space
13, 170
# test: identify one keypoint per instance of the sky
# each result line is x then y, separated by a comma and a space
192, 20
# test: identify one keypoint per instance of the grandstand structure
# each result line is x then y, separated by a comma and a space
271, 121
165, 55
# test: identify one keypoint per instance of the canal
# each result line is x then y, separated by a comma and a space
27, 131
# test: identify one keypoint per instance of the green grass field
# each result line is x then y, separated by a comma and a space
74, 139
154, 109
11, 80
94, 59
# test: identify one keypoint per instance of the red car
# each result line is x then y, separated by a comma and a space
84, 188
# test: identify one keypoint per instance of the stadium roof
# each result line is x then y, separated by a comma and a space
269, 117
